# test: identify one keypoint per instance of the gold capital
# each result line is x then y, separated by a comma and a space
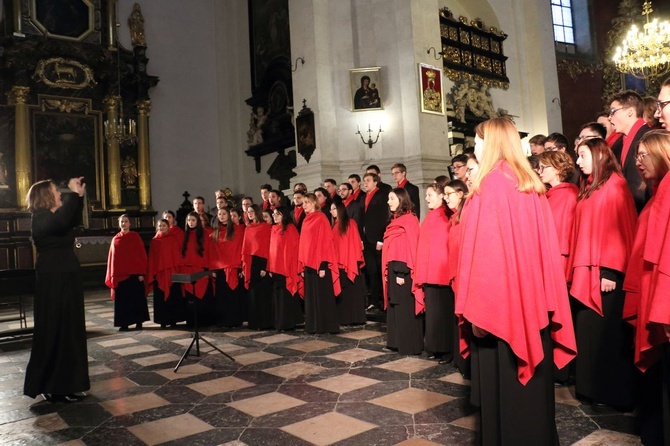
18, 95
144, 107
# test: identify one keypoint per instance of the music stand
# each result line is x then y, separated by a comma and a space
192, 279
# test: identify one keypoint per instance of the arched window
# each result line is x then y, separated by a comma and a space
564, 31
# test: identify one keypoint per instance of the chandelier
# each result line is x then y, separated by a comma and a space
645, 54
125, 132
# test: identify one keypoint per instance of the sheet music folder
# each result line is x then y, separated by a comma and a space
190, 278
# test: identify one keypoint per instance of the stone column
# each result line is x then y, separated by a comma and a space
18, 96
18, 16
113, 152
144, 167
110, 31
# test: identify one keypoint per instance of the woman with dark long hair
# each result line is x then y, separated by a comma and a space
126, 267
455, 195
403, 298
511, 297
349, 253
229, 294
602, 241
283, 268
318, 265
648, 290
196, 250
58, 365
255, 253
163, 261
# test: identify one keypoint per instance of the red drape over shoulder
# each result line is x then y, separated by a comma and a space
283, 256
563, 201
177, 233
349, 249
602, 237
192, 262
400, 243
648, 278
510, 280
164, 257
316, 246
227, 254
256, 243
454, 249
432, 255
126, 257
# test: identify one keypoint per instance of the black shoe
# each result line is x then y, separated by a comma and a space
432, 357
389, 349
74, 397
138, 326
370, 308
124, 328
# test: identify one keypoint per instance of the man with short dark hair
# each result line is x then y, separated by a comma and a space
537, 144
199, 206
353, 207
358, 193
265, 196
383, 187
459, 166
246, 204
625, 114
331, 186
557, 142
298, 211
399, 173
301, 186
375, 220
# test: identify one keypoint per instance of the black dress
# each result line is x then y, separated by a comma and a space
320, 306
59, 359
230, 305
404, 328
440, 319
130, 303
287, 309
261, 309
351, 301
171, 310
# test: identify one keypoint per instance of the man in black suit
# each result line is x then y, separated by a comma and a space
357, 193
385, 188
626, 110
375, 220
298, 212
399, 173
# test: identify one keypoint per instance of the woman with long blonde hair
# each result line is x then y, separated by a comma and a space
511, 298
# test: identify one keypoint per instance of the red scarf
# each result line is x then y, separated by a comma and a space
348, 200
563, 201
602, 237
369, 196
283, 257
227, 254
355, 194
177, 233
164, 256
315, 248
498, 288
126, 257
432, 255
402, 183
614, 136
453, 248
400, 244
297, 213
628, 139
648, 278
256, 243
348, 249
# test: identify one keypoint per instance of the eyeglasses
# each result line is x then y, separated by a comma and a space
457, 167
449, 193
614, 110
541, 168
640, 156
660, 105
551, 149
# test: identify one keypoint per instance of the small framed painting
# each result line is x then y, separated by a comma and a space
366, 89
430, 89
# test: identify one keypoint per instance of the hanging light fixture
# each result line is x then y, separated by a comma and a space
645, 54
120, 129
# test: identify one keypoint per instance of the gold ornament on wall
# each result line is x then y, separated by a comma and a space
64, 73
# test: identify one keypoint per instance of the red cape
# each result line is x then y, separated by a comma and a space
563, 201
510, 280
602, 237
453, 249
127, 256
177, 233
256, 243
192, 262
648, 278
164, 256
349, 249
227, 254
432, 255
316, 246
283, 257
400, 243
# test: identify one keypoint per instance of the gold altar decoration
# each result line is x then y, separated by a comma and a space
144, 172
113, 154
64, 73
17, 97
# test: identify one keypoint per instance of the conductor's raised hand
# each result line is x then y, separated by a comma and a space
77, 185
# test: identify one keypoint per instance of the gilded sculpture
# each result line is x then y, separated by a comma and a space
136, 25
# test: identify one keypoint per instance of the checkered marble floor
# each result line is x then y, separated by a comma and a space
283, 389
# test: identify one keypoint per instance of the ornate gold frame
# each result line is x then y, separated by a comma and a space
88, 32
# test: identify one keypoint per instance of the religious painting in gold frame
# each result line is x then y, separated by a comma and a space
366, 89
431, 96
